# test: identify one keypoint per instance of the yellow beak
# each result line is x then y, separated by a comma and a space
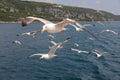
43, 30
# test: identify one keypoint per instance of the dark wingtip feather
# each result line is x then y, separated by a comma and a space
24, 23
68, 38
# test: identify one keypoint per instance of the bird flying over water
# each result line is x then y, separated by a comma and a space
79, 51
76, 44
49, 26
51, 53
98, 53
32, 33
17, 42
108, 30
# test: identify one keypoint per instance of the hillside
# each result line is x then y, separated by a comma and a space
14, 10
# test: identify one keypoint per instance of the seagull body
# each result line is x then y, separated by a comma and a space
51, 53
17, 42
107, 30
49, 26
79, 51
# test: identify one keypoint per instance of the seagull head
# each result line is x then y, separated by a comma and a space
44, 28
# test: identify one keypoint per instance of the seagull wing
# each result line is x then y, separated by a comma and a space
53, 49
63, 42
65, 22
74, 49
28, 20
53, 42
39, 54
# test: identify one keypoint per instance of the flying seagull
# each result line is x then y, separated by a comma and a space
49, 26
51, 53
98, 53
79, 51
32, 33
107, 30
17, 42
76, 44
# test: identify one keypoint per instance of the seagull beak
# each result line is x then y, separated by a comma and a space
43, 30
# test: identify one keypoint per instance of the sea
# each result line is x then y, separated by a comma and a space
16, 63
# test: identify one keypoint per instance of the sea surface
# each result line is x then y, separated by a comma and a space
15, 63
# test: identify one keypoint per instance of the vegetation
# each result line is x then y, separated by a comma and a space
15, 10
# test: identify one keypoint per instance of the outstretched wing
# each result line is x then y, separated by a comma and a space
28, 20
65, 22
53, 49
74, 49
63, 42
39, 54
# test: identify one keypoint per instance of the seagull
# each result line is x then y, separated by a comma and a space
51, 53
98, 53
90, 38
79, 51
49, 26
107, 30
76, 44
32, 33
17, 42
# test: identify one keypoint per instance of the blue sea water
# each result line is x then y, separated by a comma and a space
15, 63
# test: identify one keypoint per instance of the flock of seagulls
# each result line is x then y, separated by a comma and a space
59, 27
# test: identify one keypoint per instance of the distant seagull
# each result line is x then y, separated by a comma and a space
79, 27
32, 33
98, 53
79, 51
91, 38
107, 30
76, 44
49, 26
51, 36
51, 53
17, 42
